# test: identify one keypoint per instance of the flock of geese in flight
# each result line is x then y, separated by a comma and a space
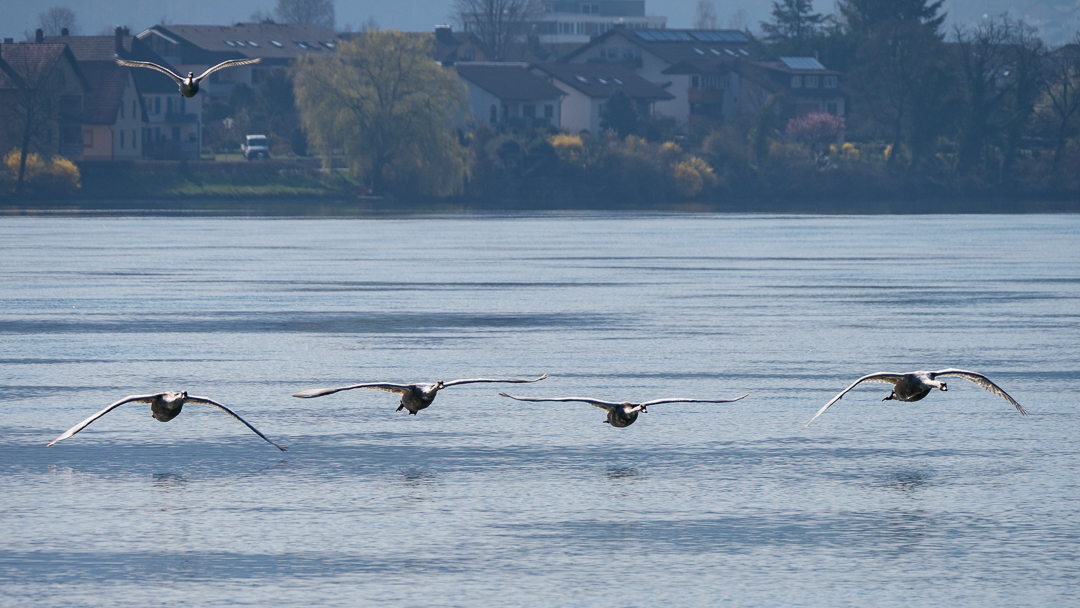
908, 387
165, 406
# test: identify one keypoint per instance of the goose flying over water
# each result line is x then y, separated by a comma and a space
414, 397
623, 414
164, 407
913, 386
188, 86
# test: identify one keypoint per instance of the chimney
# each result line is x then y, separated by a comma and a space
444, 34
64, 31
39, 36
118, 37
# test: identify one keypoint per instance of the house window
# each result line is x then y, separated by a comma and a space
168, 105
88, 138
468, 55
157, 105
796, 82
590, 9
695, 82
549, 111
528, 111
831, 108
811, 82
829, 82
176, 133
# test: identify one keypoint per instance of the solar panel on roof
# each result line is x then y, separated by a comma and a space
709, 36
802, 63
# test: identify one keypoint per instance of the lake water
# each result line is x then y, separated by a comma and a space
483, 501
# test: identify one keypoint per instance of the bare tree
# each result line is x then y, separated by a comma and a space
739, 20
1061, 90
315, 12
705, 18
35, 106
56, 19
997, 60
497, 23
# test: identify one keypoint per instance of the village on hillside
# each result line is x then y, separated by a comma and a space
544, 106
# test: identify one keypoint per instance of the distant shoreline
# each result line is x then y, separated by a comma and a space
378, 207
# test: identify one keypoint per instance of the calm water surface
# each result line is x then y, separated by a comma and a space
483, 501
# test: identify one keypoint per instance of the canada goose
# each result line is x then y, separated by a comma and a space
625, 413
414, 397
913, 386
188, 86
164, 407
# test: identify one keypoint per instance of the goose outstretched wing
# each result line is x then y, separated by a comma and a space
506, 380
82, 425
400, 389
680, 400
212, 403
604, 405
153, 66
227, 64
982, 381
884, 377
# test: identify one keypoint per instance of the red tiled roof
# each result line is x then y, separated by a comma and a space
101, 103
103, 48
19, 60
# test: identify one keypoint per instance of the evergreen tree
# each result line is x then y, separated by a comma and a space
619, 114
794, 25
863, 16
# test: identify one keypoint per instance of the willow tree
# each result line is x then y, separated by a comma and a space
383, 102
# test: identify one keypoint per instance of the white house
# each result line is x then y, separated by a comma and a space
588, 86
509, 94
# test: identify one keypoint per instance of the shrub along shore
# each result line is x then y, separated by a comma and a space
547, 172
